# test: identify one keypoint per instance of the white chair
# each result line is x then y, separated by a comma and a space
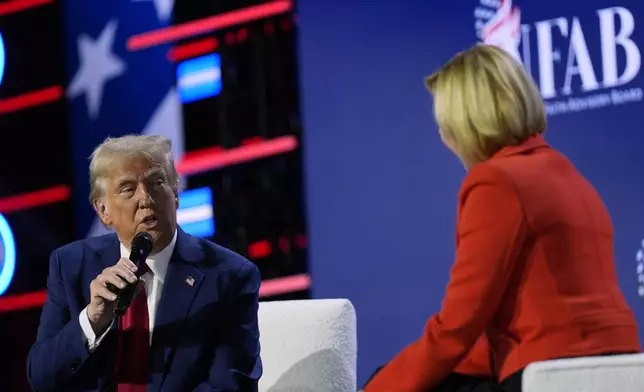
308, 346
619, 373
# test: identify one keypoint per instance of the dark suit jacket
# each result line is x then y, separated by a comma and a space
206, 334
534, 275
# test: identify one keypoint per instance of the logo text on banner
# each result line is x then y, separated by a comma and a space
556, 52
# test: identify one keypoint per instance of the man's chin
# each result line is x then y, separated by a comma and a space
160, 238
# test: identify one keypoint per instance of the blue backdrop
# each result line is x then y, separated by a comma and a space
114, 92
382, 189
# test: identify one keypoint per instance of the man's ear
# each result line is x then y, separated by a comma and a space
101, 210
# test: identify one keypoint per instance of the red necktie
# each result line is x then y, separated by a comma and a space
133, 344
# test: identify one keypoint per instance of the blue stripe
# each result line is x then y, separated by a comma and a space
207, 88
195, 197
205, 228
2, 58
8, 264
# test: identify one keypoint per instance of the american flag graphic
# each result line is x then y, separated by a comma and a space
113, 91
498, 23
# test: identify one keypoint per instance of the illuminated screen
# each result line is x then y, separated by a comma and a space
239, 89
7, 254
195, 215
36, 214
2, 58
199, 78
242, 164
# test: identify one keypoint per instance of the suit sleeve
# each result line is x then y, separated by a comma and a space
237, 364
59, 352
491, 233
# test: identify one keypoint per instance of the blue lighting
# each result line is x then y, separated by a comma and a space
203, 229
199, 78
2, 63
195, 213
195, 197
7, 256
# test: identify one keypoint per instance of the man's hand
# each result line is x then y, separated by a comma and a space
103, 292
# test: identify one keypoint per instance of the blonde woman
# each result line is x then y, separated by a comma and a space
534, 272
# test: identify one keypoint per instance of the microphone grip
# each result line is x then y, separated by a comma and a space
141, 248
123, 296
124, 299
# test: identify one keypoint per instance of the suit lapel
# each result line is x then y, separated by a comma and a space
182, 283
104, 255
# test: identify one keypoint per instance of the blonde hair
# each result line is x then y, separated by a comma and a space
485, 100
114, 151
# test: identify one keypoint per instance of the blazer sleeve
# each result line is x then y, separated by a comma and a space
60, 351
477, 362
237, 365
491, 232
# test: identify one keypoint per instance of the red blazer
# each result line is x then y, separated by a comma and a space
534, 275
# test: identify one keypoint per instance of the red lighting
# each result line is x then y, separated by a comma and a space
242, 34
300, 241
200, 161
34, 98
284, 244
193, 49
206, 25
286, 285
229, 38
11, 303
13, 6
259, 249
34, 199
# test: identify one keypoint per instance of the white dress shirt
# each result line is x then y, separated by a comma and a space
153, 280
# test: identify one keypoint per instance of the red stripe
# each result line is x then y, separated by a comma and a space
259, 249
200, 161
35, 199
34, 98
194, 162
13, 6
206, 25
193, 49
10, 303
285, 285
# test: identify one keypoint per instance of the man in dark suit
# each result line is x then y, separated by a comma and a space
192, 326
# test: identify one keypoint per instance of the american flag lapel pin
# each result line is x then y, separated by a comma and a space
190, 280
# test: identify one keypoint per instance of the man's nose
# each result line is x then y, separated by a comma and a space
144, 197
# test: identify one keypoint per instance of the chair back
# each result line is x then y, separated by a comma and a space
308, 346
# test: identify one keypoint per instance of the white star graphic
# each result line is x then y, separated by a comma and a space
163, 7
97, 65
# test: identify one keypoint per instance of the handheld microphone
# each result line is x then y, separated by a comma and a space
141, 248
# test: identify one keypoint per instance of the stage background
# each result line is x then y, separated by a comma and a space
381, 188
144, 67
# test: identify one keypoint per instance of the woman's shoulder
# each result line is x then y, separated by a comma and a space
487, 173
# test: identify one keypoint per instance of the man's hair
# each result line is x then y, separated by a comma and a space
113, 151
485, 100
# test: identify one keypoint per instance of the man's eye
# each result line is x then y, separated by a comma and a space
126, 190
159, 181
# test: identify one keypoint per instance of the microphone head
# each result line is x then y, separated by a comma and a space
142, 244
